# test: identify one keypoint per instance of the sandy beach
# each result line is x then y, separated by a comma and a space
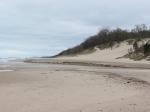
75, 56
35, 87
95, 82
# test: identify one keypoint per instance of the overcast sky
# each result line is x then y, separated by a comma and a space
45, 27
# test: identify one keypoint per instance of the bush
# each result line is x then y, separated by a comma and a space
147, 49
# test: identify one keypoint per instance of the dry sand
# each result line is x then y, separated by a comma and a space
73, 88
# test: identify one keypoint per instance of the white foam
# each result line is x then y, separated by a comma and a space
6, 70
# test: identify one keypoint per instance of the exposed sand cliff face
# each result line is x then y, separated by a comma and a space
103, 55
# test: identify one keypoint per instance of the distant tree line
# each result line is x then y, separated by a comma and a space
107, 38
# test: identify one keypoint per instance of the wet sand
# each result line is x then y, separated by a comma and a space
36, 87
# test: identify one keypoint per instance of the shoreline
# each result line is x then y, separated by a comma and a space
133, 65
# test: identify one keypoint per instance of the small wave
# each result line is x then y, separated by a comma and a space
6, 70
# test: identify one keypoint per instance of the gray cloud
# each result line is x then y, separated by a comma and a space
35, 27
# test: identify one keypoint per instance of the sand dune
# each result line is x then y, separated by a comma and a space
106, 55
